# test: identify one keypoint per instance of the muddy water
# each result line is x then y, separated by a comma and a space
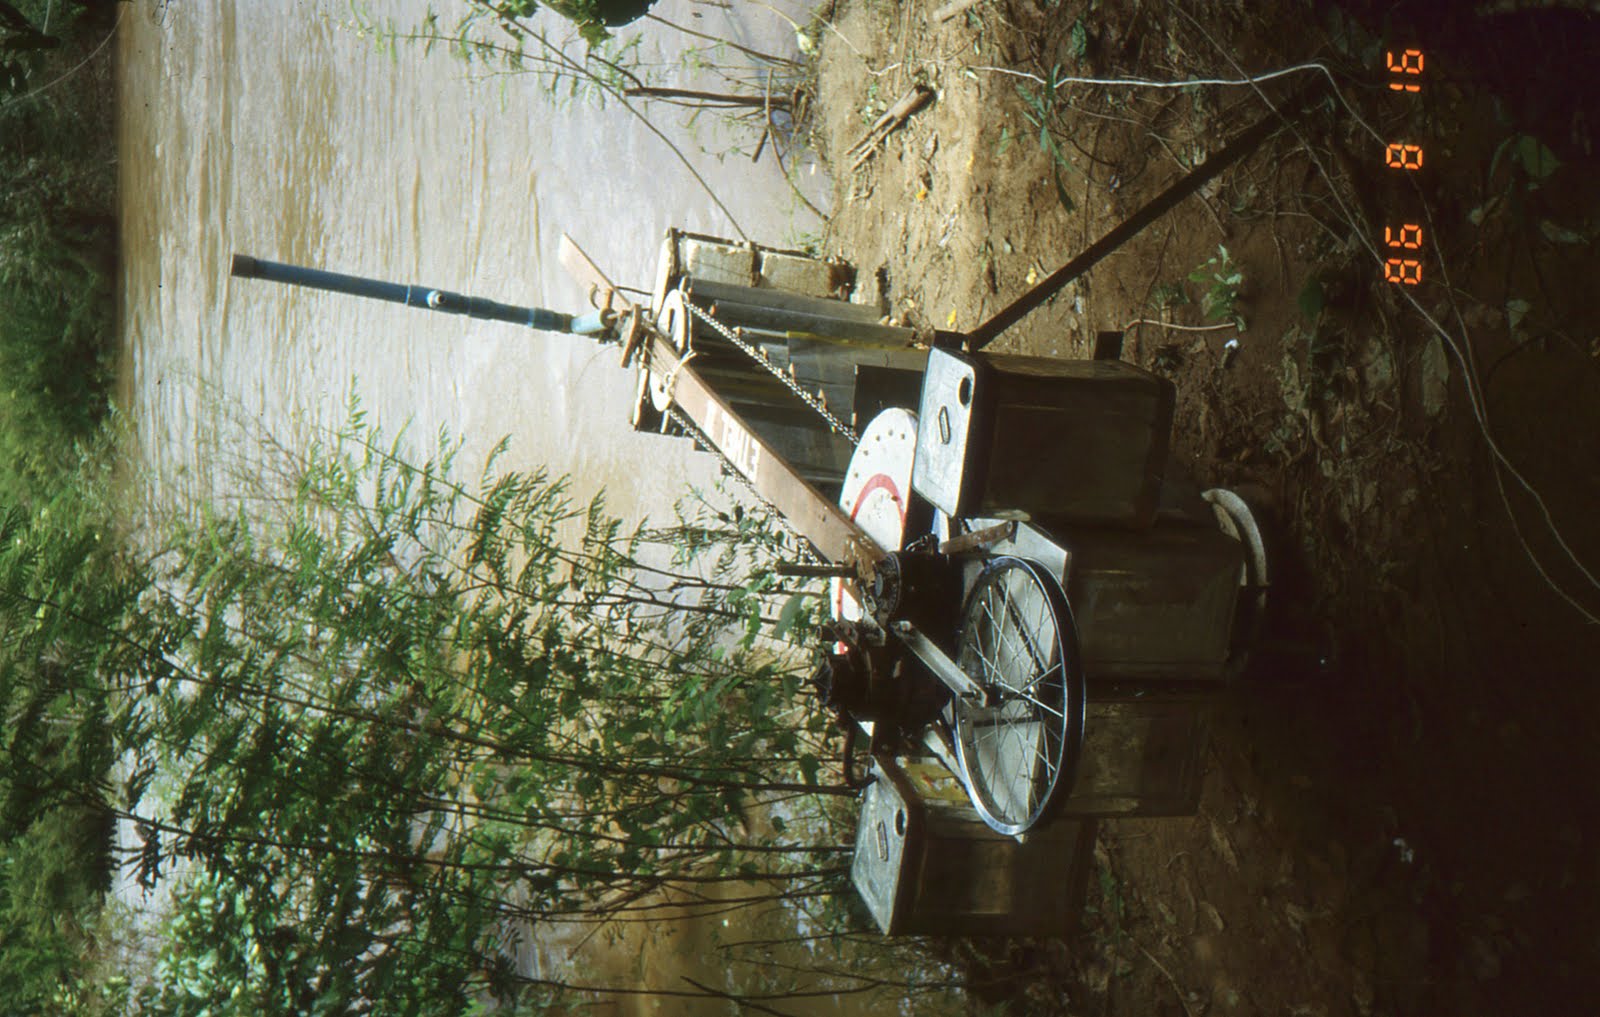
275, 128
279, 129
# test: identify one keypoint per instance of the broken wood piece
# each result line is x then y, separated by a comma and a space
893, 118
950, 10
582, 269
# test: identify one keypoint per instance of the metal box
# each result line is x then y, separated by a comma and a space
925, 864
1080, 441
1153, 605
1143, 754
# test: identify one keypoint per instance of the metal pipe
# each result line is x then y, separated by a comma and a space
247, 267
1186, 185
774, 319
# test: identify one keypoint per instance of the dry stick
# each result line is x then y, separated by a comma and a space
893, 119
1170, 980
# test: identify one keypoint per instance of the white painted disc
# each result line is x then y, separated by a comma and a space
877, 492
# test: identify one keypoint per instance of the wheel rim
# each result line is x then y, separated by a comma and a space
1019, 751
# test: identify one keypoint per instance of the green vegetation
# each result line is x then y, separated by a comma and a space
57, 245
379, 723
1040, 110
1220, 280
57, 330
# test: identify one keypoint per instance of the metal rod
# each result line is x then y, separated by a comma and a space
1234, 151
246, 267
792, 570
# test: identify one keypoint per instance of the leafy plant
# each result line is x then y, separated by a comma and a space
1078, 40
1168, 295
1039, 111
1529, 154
392, 720
1221, 280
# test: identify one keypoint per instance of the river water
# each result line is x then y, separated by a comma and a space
285, 130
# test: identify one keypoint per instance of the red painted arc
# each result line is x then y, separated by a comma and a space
876, 482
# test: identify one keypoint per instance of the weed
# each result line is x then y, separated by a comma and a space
1078, 41
1167, 296
1039, 108
1221, 280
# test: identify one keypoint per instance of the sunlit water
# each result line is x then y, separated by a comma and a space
279, 129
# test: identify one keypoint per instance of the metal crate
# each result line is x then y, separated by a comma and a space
925, 864
1080, 441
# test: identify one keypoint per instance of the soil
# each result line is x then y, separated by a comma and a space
1399, 811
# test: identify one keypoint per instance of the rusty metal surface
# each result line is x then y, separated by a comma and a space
811, 515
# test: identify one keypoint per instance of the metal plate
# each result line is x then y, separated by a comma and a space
949, 392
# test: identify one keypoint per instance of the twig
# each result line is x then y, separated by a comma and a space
575, 68
708, 98
747, 51
893, 118
742, 1001
1170, 980
777, 153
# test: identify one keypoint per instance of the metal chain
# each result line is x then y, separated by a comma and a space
803, 546
838, 426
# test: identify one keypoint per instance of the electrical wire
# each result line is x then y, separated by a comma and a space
1475, 398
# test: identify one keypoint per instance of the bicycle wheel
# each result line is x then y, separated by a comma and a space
1019, 749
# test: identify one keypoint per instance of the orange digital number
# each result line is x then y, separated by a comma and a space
1405, 271
1402, 156
1410, 62
1408, 236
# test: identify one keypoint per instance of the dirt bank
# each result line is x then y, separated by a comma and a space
1398, 816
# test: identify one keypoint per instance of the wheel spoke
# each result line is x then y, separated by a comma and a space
1012, 643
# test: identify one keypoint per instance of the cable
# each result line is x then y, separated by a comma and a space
1150, 83
1469, 373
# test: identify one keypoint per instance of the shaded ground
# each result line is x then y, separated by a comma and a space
1398, 816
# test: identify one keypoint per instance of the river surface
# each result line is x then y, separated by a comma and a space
284, 130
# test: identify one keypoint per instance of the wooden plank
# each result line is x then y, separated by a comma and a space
584, 271
813, 516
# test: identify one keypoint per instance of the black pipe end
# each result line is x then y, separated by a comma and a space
245, 267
